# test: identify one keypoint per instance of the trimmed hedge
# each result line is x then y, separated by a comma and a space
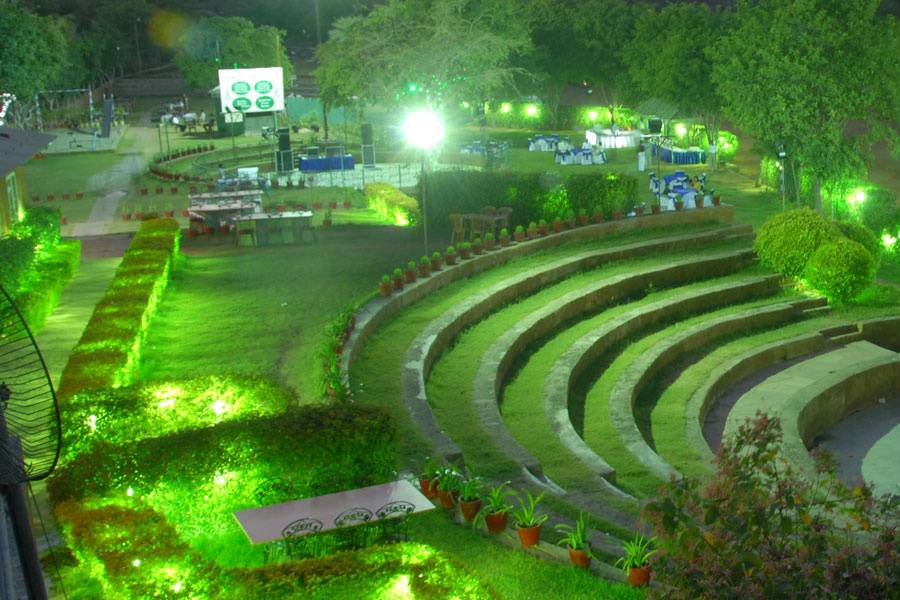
787, 240
602, 192
16, 262
108, 352
840, 269
51, 273
391, 203
861, 235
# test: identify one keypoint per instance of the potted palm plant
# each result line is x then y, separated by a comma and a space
636, 562
385, 286
428, 477
576, 540
465, 249
489, 241
582, 217
532, 231
597, 217
654, 205
504, 237
698, 200
436, 261
542, 227
450, 255
557, 224
448, 488
528, 520
424, 266
477, 248
639, 210
679, 203
410, 273
519, 234
470, 498
570, 219
398, 279
495, 511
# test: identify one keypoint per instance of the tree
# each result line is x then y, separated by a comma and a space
667, 57
32, 53
437, 51
794, 73
222, 42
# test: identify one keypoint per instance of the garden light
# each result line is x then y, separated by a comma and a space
531, 110
177, 587
888, 241
136, 562
505, 107
219, 407
857, 197
92, 423
129, 492
423, 129
680, 130
465, 104
592, 115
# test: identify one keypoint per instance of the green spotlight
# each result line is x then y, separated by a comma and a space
465, 104
412, 88
592, 115
858, 197
680, 129
505, 107
888, 241
531, 110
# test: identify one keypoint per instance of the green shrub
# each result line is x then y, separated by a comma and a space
50, 275
469, 191
787, 240
861, 235
391, 203
840, 269
41, 224
16, 260
879, 211
556, 202
602, 193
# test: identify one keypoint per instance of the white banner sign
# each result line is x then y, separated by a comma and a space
251, 90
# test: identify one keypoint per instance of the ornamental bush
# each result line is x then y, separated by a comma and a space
861, 235
840, 269
602, 193
470, 191
391, 203
760, 529
787, 240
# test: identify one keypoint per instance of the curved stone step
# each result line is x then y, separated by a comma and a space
642, 372
435, 337
586, 350
496, 362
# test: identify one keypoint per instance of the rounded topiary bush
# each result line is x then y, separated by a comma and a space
840, 269
787, 240
861, 235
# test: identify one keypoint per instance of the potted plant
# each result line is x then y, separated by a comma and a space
465, 249
326, 222
557, 225
519, 234
385, 286
597, 216
532, 231
428, 478
436, 261
504, 237
635, 563
582, 217
398, 279
470, 498
528, 521
477, 248
570, 219
448, 488
542, 227
495, 511
639, 210
716, 200
346, 204
409, 274
679, 204
654, 205
576, 540
450, 256
424, 266
489, 241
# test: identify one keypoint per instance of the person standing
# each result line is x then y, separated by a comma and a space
642, 157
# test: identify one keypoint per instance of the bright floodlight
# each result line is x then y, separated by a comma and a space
505, 107
423, 129
680, 129
592, 115
531, 110
858, 197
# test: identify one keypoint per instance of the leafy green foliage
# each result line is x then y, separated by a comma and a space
34, 54
391, 203
52, 271
861, 235
787, 240
602, 193
41, 224
637, 553
840, 269
879, 212
758, 529
16, 260
577, 537
526, 514
469, 191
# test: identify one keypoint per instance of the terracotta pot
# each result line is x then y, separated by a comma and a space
445, 498
557, 226
469, 509
137, 216
63, 221
496, 522
580, 558
435, 264
423, 270
477, 250
519, 236
655, 209
450, 259
639, 211
192, 233
385, 289
409, 276
346, 204
398, 283
639, 576
317, 206
504, 240
679, 205
126, 216
570, 223
208, 230
170, 213
531, 234
598, 218
326, 223
617, 215
542, 229
529, 536
281, 208
464, 252
428, 487
582, 220
488, 245
717, 200
698, 201
332, 205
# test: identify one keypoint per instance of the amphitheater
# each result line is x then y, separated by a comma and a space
599, 362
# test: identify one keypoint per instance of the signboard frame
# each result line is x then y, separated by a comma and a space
259, 90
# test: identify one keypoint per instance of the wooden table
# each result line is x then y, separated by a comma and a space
482, 223
275, 228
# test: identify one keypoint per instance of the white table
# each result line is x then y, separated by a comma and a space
333, 511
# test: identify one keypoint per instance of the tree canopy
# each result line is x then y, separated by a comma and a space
34, 53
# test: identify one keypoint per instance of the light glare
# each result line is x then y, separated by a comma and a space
423, 129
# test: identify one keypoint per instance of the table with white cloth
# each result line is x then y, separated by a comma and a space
543, 143
608, 139
218, 214
580, 156
266, 229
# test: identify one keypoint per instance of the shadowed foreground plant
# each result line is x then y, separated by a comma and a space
760, 529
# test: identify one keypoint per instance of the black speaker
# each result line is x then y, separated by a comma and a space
284, 161
368, 156
284, 139
368, 138
107, 117
655, 125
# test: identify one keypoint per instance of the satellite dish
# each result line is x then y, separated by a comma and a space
30, 429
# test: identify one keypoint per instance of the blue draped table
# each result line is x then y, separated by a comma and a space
678, 156
326, 163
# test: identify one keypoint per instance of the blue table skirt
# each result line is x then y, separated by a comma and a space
326, 163
679, 157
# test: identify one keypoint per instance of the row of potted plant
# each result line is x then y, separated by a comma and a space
165, 158
492, 508
330, 349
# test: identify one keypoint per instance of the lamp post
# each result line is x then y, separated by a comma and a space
424, 130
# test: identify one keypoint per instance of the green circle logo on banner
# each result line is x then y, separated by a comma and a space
263, 87
265, 102
240, 87
241, 104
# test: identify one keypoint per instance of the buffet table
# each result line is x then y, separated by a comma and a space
326, 163
266, 229
677, 156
